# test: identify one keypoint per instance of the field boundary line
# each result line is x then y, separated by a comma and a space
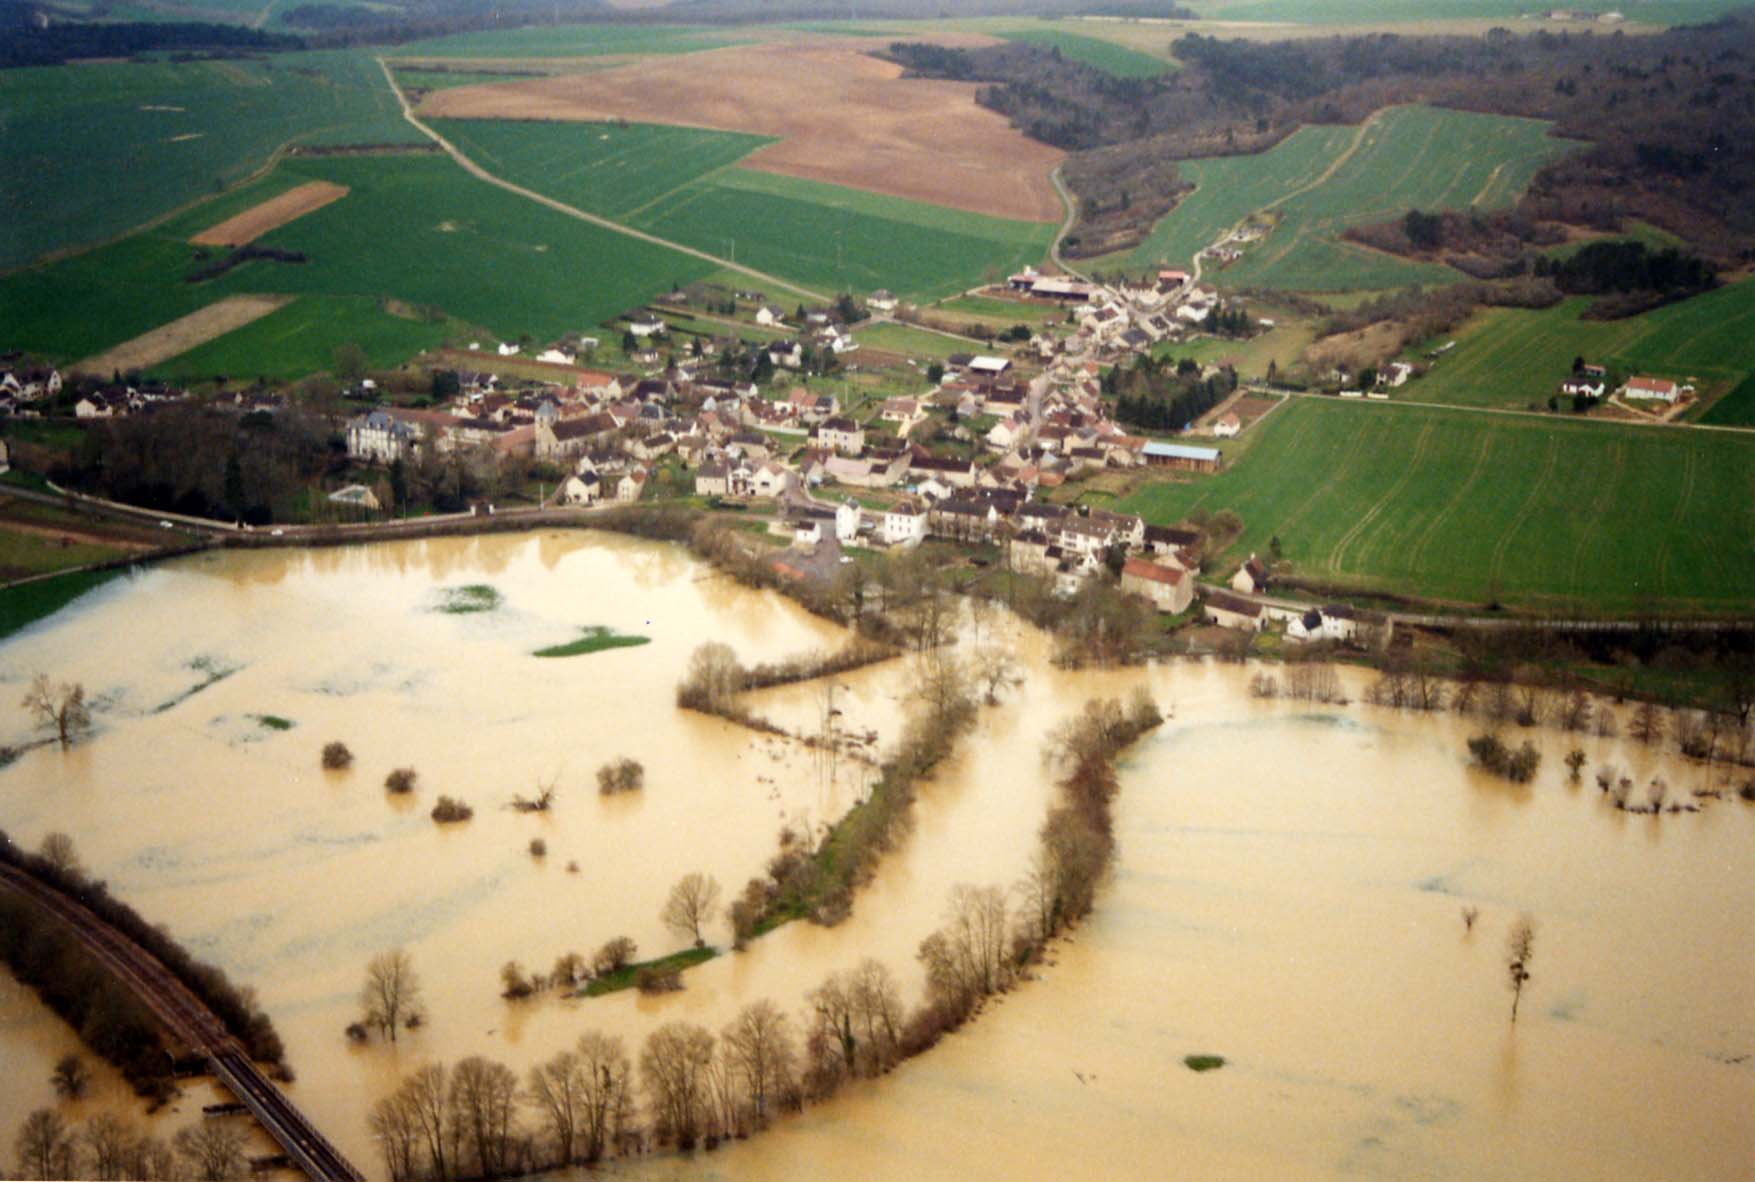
481, 174
1394, 491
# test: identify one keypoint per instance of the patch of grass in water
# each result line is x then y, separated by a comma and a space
215, 671
468, 599
593, 638
623, 978
274, 722
1203, 1062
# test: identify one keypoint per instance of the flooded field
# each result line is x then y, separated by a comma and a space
1288, 890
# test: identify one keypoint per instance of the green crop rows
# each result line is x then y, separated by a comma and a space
1563, 516
676, 183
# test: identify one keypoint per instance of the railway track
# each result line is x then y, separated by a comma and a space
192, 1023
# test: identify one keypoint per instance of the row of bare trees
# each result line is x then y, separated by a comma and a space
110, 1147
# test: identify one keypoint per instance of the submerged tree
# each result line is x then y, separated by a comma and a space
1518, 947
391, 994
61, 707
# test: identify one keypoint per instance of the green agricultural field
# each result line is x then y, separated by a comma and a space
1462, 506
1338, 12
1736, 409
1107, 56
549, 41
1322, 180
284, 344
152, 137
413, 228
603, 168
415, 78
914, 342
1508, 357
679, 183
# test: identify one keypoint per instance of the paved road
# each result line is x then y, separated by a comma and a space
191, 1022
480, 173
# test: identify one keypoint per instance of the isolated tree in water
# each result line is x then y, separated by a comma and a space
1518, 947
60, 706
391, 994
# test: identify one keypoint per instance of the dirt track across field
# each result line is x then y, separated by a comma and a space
841, 117
181, 334
273, 213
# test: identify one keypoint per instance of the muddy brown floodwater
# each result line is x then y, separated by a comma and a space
1287, 893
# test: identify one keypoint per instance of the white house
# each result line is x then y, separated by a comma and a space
769, 480
847, 520
1336, 622
647, 326
769, 316
1660, 389
379, 437
1227, 426
904, 524
842, 435
508, 350
882, 301
582, 490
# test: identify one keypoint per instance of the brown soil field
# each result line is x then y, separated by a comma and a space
181, 334
273, 213
841, 117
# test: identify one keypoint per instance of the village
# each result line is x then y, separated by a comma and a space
724, 398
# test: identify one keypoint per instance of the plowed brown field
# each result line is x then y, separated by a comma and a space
181, 334
841, 117
273, 213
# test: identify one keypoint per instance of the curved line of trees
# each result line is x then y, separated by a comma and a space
688, 1087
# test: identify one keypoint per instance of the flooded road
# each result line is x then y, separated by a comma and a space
1287, 895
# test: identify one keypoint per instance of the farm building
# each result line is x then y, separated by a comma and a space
1661, 389
1251, 578
1172, 590
1227, 426
1228, 611
1176, 455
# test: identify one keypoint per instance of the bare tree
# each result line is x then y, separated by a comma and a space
44, 1146
1518, 947
833, 1041
713, 679
424, 1096
484, 1110
110, 1146
1575, 713
673, 1067
70, 1077
605, 1072
1575, 760
391, 993
1469, 915
60, 707
759, 1048
57, 850
692, 902
995, 670
213, 1150
875, 1005
613, 956
1648, 723
556, 1089
397, 1130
